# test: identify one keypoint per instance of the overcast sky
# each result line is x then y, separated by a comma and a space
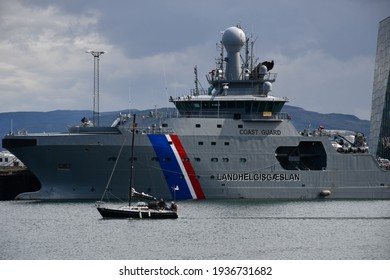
324, 51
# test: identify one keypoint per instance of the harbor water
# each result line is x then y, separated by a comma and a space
208, 229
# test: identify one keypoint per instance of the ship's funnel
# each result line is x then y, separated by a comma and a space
233, 39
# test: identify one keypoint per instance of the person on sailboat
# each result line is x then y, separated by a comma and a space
161, 204
173, 206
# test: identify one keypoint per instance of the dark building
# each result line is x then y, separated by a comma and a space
380, 110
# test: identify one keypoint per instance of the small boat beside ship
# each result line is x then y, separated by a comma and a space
8, 159
231, 140
142, 210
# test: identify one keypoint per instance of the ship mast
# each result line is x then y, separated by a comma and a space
196, 80
132, 161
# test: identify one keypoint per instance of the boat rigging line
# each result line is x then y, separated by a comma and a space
113, 170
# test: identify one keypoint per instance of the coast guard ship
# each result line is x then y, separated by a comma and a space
229, 141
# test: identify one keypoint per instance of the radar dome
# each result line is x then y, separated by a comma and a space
233, 39
267, 87
263, 70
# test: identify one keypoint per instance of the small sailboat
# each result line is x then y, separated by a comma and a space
142, 210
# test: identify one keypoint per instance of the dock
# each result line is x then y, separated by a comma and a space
15, 180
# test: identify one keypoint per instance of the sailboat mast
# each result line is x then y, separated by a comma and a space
132, 161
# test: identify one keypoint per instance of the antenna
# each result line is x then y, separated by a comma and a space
196, 80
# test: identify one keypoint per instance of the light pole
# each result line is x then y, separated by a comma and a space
96, 55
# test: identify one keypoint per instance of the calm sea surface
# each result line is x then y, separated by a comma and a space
210, 229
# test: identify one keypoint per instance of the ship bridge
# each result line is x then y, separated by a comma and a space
237, 106
236, 90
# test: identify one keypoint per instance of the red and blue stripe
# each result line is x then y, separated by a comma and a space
176, 166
